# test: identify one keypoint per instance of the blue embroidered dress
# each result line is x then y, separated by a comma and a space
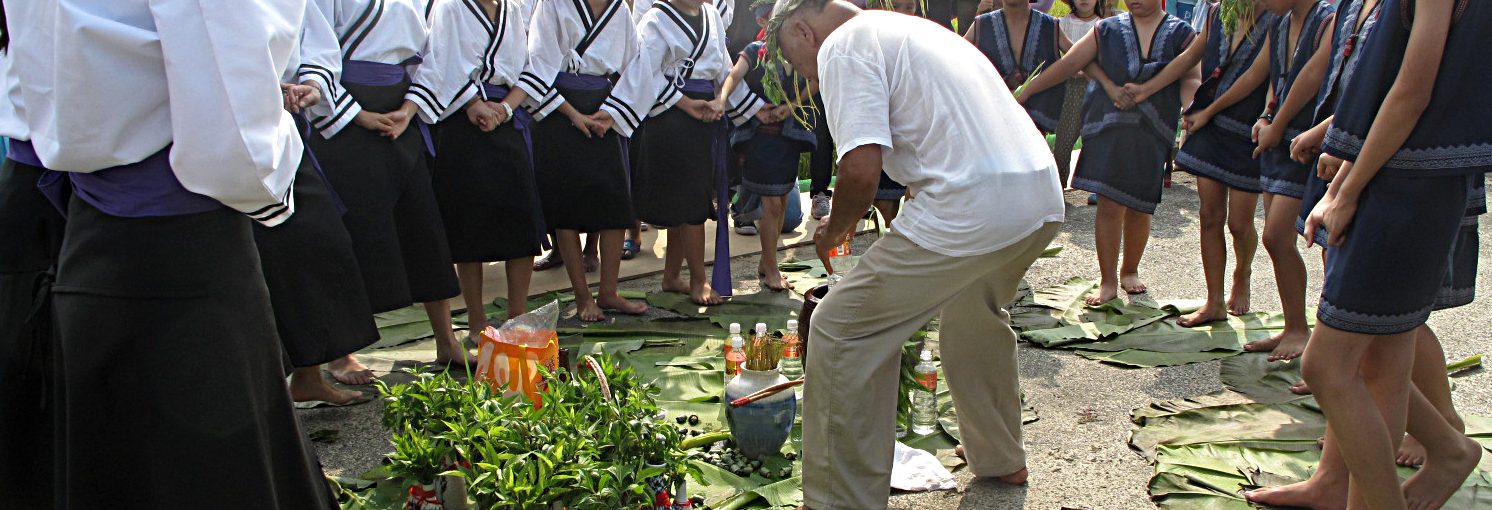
1278, 173
1223, 149
1038, 52
1404, 249
1125, 151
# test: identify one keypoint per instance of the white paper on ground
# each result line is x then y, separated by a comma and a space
917, 470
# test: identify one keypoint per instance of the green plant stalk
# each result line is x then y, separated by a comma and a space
704, 439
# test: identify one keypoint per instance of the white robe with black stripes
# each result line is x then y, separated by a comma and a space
726, 8
318, 61
671, 52
567, 36
466, 49
383, 31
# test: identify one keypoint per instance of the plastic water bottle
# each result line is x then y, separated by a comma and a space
924, 400
735, 351
842, 259
792, 353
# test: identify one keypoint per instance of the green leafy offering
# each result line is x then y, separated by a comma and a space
581, 448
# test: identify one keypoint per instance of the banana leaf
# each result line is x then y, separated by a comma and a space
1137, 358
1295, 424
1252, 374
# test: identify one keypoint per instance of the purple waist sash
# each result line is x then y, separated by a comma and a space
379, 74
582, 81
137, 190
22, 152
720, 277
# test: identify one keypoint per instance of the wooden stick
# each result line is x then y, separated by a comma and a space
765, 392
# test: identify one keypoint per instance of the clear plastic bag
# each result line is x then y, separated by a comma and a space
509, 356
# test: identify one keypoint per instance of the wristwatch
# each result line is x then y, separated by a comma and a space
1268, 116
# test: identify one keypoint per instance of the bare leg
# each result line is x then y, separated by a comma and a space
770, 229
306, 384
889, 209
1326, 490
567, 243
693, 248
611, 262
1430, 378
448, 351
673, 260
1241, 207
1136, 235
1452, 456
470, 275
1212, 215
1108, 230
1289, 274
520, 272
1361, 383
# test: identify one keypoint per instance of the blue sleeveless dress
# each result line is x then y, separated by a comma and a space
1223, 149
1279, 174
1038, 53
1124, 152
1406, 253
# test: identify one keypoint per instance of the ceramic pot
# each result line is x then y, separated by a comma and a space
760, 428
811, 301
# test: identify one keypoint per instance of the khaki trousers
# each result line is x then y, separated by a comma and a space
849, 418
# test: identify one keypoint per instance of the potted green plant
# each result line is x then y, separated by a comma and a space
419, 460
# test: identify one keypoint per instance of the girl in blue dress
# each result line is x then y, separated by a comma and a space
1021, 42
1125, 143
1404, 150
1218, 149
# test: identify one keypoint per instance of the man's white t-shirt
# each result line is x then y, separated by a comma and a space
980, 173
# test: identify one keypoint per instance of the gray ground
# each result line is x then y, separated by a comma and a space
1075, 460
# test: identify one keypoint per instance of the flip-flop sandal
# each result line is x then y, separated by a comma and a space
549, 262
362, 398
630, 249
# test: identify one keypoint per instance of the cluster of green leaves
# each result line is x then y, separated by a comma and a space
580, 448
1233, 12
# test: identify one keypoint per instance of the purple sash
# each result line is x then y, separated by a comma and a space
720, 277
22, 152
582, 81
379, 74
523, 122
305, 132
137, 190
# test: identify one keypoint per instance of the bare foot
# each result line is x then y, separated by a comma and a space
773, 280
1311, 493
675, 285
589, 311
348, 370
703, 295
617, 303
1300, 388
1411, 453
1210, 312
1106, 292
454, 356
1442, 476
1285, 346
591, 262
1238, 300
305, 387
1132, 284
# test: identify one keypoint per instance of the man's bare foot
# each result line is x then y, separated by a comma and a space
588, 310
1238, 300
1411, 453
620, 304
1016, 478
1210, 313
308, 386
703, 295
772, 279
1106, 292
1313, 493
1131, 284
675, 285
1285, 346
1300, 388
1442, 476
348, 370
